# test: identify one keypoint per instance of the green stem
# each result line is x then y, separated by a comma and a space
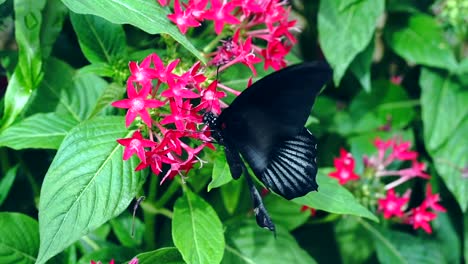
213, 43
171, 190
149, 218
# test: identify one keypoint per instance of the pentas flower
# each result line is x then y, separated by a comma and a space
132, 261
344, 166
135, 145
432, 200
265, 20
182, 18
392, 204
137, 104
392, 153
420, 218
220, 13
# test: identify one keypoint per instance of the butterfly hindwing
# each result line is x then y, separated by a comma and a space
292, 168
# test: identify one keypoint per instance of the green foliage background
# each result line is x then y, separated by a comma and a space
64, 188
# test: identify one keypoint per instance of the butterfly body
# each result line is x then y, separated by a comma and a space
265, 125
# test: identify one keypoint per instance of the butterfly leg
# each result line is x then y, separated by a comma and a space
261, 214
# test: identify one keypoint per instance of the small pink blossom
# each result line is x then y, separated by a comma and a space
135, 145
392, 204
420, 218
344, 166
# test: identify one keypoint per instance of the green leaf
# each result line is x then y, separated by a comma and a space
419, 39
463, 67
230, 193
345, 29
28, 72
447, 238
221, 172
6, 182
385, 102
148, 16
100, 40
361, 66
101, 69
445, 120
111, 93
64, 90
19, 239
465, 227
284, 212
356, 246
168, 255
86, 185
38, 131
196, 230
122, 227
54, 16
246, 243
334, 198
396, 247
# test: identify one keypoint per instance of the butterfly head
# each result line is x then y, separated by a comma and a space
210, 119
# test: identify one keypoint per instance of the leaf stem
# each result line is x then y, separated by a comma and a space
149, 218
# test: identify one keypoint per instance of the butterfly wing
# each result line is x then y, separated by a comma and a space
270, 112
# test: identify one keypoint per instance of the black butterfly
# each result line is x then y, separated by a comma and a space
265, 124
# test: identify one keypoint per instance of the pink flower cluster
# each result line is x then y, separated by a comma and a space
393, 205
132, 261
248, 21
153, 87
166, 101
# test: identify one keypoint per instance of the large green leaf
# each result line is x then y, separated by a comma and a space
419, 39
19, 238
67, 91
356, 246
246, 243
345, 29
396, 247
149, 16
361, 66
38, 131
221, 172
196, 230
54, 16
333, 198
386, 103
124, 225
86, 185
231, 194
6, 181
28, 72
285, 213
448, 238
161, 256
100, 40
445, 119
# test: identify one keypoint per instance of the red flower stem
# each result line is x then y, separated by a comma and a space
228, 89
396, 183
387, 173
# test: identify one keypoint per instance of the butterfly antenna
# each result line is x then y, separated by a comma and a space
135, 208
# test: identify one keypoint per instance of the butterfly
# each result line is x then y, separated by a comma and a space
265, 126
